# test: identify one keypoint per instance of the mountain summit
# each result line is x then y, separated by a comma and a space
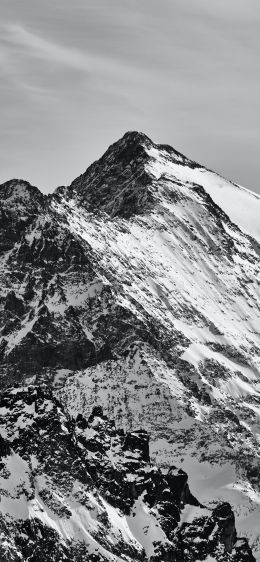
136, 290
118, 183
122, 182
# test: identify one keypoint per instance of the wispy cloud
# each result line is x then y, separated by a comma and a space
44, 49
35, 46
185, 72
22, 51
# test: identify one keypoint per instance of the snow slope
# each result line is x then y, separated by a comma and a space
241, 205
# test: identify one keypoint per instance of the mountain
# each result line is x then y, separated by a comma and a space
84, 490
136, 289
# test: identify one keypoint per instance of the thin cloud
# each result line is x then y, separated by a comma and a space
38, 47
21, 51
41, 48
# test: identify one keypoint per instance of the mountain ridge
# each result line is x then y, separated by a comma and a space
147, 304
131, 140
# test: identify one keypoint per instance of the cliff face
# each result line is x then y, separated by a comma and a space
137, 289
82, 489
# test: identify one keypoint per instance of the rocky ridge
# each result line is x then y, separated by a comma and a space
74, 490
134, 289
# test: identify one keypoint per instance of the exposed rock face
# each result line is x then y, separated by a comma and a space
81, 489
118, 183
20, 203
137, 288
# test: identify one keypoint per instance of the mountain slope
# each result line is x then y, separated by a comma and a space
241, 205
76, 490
135, 289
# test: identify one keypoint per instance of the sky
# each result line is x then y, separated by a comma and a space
75, 76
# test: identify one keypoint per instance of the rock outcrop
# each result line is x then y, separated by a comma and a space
81, 489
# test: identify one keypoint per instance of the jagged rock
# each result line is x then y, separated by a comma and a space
20, 203
75, 489
138, 441
117, 183
14, 304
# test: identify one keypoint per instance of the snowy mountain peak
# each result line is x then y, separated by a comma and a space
134, 137
136, 289
121, 182
117, 183
135, 174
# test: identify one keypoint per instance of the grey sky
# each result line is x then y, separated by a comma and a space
76, 75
